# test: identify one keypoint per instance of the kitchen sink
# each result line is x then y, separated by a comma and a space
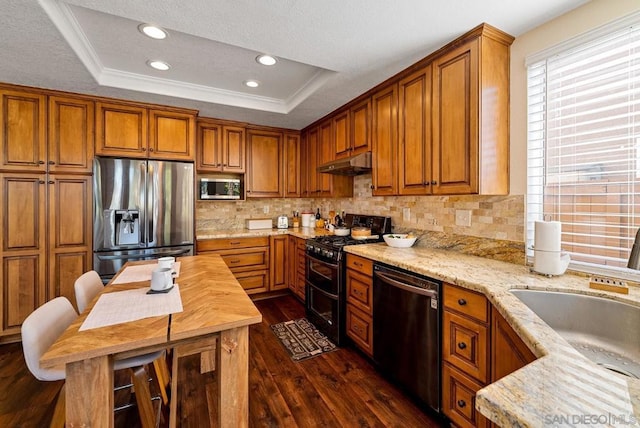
603, 330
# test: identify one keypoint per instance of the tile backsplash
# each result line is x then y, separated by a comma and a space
496, 221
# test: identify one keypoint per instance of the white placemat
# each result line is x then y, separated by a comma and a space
131, 305
139, 273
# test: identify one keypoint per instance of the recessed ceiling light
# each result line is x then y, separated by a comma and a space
252, 83
266, 59
159, 65
152, 31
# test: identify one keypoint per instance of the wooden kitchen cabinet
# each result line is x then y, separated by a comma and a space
384, 145
23, 131
292, 165
465, 353
220, 147
136, 131
508, 351
359, 284
296, 266
71, 135
319, 149
264, 177
341, 135
278, 259
247, 258
36, 210
360, 126
470, 115
414, 133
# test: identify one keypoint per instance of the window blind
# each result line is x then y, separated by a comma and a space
584, 147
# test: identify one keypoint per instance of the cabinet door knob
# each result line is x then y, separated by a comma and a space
41, 162
52, 163
462, 302
426, 183
51, 181
372, 187
144, 149
434, 182
150, 149
462, 345
41, 181
461, 403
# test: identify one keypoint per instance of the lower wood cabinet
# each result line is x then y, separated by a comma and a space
359, 314
247, 258
478, 347
296, 267
278, 262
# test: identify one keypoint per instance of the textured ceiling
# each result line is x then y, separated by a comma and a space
329, 52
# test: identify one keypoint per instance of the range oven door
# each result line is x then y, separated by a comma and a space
324, 300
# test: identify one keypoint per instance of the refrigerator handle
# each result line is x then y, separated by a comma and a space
152, 191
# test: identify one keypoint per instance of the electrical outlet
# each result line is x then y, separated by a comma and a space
406, 214
463, 218
265, 209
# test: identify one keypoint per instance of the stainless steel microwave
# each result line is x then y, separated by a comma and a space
220, 188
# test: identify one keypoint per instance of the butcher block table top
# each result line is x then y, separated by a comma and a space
214, 303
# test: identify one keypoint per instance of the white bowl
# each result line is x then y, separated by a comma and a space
342, 231
399, 240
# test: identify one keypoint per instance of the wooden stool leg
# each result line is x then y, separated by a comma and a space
140, 380
173, 411
163, 377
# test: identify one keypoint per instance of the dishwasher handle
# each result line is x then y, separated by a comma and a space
417, 290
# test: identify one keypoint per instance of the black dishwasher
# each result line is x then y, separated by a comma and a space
406, 331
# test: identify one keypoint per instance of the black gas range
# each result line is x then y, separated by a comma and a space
325, 274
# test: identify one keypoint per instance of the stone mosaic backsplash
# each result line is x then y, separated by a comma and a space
497, 227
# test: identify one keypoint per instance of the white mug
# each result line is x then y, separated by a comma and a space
166, 262
161, 279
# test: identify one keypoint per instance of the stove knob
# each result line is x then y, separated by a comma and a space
330, 254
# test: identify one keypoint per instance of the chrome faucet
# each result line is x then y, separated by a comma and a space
634, 257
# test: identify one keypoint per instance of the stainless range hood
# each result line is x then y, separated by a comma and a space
354, 165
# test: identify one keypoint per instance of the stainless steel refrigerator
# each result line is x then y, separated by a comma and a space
143, 209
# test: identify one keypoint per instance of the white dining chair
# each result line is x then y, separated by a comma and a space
44, 325
86, 288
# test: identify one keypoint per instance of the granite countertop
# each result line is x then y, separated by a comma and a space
300, 232
561, 387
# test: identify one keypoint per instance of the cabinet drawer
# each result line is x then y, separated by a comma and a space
229, 243
465, 345
254, 258
459, 398
467, 302
362, 265
253, 281
360, 291
360, 328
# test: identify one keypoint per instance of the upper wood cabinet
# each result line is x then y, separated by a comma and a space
264, 164
360, 126
414, 133
23, 126
326, 153
470, 115
312, 143
384, 145
220, 148
71, 135
130, 130
341, 135
292, 164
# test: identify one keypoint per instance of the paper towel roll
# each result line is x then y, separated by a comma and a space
548, 235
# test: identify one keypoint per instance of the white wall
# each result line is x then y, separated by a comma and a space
578, 21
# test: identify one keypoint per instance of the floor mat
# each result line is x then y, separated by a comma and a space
301, 339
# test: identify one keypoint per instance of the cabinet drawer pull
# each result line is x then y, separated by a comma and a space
462, 302
461, 403
234, 261
462, 345
357, 264
234, 242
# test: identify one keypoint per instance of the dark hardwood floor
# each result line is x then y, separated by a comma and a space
337, 389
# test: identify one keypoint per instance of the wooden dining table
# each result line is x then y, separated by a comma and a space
215, 319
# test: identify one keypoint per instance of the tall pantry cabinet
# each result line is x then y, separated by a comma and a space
46, 147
